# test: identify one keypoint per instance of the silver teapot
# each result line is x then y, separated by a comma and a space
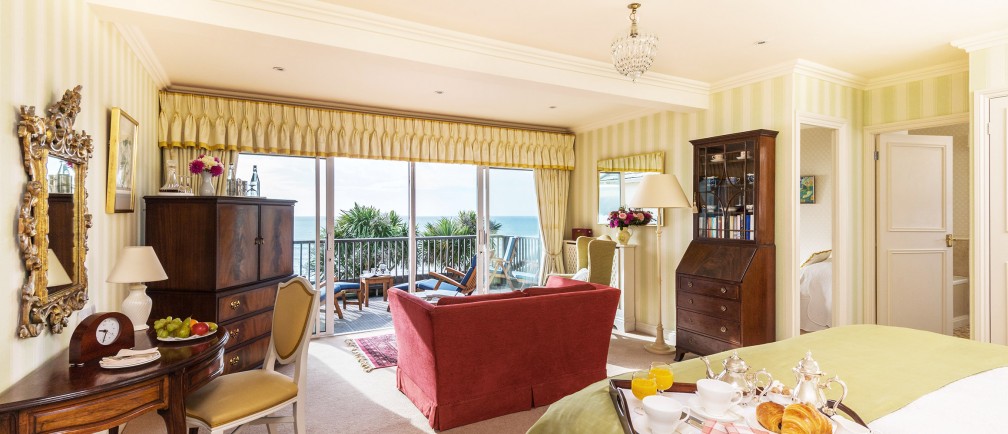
813, 383
736, 372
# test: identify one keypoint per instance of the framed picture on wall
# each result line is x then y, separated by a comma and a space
123, 134
806, 190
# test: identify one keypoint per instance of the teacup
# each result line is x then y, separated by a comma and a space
716, 396
717, 158
664, 414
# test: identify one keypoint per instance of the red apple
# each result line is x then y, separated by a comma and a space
200, 329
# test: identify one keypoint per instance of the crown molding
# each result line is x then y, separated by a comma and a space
920, 74
981, 42
138, 43
754, 76
612, 120
330, 105
797, 66
830, 74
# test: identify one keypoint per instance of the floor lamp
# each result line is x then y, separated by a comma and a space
659, 191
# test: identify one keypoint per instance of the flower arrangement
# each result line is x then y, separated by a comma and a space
206, 163
624, 217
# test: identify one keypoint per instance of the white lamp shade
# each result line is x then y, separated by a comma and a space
660, 191
137, 264
56, 275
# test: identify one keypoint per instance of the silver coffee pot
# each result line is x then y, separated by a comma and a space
813, 383
736, 372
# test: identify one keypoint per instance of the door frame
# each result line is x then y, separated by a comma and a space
841, 225
981, 310
868, 242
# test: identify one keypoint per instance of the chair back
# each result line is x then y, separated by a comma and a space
469, 279
600, 261
295, 309
582, 253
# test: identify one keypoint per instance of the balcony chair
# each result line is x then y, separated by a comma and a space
248, 397
500, 266
464, 283
595, 254
341, 290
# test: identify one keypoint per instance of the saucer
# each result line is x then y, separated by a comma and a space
646, 428
730, 416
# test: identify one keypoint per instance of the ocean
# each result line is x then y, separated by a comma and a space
304, 226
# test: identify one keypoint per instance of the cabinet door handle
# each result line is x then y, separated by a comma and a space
724, 329
724, 290
234, 360
723, 308
235, 304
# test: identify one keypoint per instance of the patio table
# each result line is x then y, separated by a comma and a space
385, 280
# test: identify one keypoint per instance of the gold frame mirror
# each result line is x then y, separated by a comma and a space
45, 305
618, 178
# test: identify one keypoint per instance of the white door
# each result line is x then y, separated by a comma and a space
998, 224
914, 268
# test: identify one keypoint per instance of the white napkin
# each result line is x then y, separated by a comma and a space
130, 357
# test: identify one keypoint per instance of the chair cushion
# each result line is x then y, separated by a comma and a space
231, 397
341, 286
444, 301
429, 284
469, 272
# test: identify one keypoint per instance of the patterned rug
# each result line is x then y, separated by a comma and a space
374, 352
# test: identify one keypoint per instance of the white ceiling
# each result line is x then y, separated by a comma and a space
511, 61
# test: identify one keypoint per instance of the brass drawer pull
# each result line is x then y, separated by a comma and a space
723, 308
691, 301
692, 341
234, 360
724, 329
235, 304
689, 284
236, 333
724, 290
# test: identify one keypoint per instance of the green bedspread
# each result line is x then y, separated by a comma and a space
885, 368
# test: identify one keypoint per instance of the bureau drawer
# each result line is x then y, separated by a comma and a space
700, 344
98, 412
716, 307
246, 357
248, 329
708, 287
238, 304
717, 327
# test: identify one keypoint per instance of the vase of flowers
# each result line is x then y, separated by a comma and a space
623, 218
207, 168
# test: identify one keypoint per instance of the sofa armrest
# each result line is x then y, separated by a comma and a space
414, 331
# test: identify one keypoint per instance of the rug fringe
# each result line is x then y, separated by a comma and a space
359, 355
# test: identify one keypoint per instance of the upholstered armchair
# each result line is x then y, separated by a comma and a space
595, 254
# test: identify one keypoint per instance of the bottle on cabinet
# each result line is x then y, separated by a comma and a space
255, 188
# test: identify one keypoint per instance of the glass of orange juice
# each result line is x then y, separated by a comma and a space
662, 373
643, 385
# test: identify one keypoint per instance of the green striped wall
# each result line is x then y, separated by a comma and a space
49, 46
918, 99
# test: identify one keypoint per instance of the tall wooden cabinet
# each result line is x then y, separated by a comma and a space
725, 283
224, 257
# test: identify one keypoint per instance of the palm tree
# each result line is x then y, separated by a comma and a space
368, 222
452, 253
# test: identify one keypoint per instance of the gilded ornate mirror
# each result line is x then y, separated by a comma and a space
53, 218
619, 177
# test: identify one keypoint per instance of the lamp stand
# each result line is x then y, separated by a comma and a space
659, 346
137, 306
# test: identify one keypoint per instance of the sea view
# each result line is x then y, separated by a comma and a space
304, 226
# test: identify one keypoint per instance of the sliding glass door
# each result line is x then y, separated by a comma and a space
446, 204
514, 246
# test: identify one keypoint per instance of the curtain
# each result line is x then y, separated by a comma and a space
552, 186
653, 162
183, 156
235, 125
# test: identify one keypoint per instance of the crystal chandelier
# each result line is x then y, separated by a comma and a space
634, 53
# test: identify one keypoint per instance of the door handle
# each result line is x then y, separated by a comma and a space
950, 239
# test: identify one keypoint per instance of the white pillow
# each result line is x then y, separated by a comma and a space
581, 275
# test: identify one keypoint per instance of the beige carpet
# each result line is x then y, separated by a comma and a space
342, 398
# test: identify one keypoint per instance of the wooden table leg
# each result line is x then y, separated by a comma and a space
174, 416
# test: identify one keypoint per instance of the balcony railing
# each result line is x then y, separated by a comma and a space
353, 256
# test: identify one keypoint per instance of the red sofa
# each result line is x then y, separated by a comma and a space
473, 358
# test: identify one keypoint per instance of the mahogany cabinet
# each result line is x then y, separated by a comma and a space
725, 283
225, 257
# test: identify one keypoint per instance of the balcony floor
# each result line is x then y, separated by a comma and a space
373, 317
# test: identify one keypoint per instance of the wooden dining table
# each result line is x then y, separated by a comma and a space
58, 397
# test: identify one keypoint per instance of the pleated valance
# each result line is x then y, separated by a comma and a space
229, 124
653, 162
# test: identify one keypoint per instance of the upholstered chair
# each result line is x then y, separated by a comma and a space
595, 254
249, 397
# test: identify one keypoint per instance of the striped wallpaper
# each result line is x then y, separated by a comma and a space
49, 46
988, 68
918, 99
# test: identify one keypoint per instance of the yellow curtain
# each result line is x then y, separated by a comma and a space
552, 187
235, 125
653, 162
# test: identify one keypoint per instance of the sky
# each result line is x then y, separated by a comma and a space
442, 189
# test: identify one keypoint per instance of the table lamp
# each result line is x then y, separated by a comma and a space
659, 191
136, 265
56, 275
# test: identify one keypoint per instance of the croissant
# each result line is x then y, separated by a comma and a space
769, 414
804, 419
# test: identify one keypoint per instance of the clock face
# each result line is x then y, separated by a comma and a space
107, 331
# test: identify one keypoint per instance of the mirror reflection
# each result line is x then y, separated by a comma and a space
618, 179
61, 176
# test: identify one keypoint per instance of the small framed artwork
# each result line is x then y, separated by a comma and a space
806, 191
123, 134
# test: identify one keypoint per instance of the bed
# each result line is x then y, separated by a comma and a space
900, 380
816, 283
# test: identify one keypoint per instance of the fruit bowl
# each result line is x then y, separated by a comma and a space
191, 337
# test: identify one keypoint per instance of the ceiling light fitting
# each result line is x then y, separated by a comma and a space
278, 68
633, 54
